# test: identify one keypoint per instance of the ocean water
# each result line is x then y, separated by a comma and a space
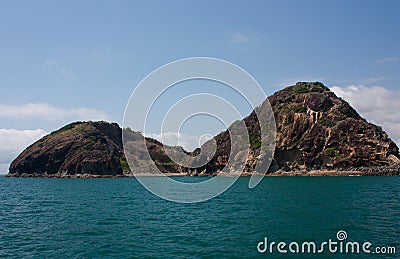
118, 218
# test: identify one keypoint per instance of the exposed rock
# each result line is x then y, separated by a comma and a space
317, 130
81, 148
327, 131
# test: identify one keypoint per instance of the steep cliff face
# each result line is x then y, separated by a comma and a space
314, 130
319, 130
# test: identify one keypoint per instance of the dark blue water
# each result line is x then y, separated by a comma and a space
97, 218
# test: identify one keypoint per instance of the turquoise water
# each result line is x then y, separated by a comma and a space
97, 218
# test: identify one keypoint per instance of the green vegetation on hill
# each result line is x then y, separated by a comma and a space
304, 87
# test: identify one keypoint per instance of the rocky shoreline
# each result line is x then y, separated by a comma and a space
63, 176
363, 171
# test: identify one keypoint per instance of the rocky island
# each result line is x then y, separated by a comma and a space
317, 133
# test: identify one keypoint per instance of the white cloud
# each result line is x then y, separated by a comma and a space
377, 104
244, 38
387, 59
47, 112
239, 38
188, 142
58, 68
12, 139
374, 79
4, 168
13, 142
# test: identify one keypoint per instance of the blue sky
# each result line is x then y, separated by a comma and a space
62, 61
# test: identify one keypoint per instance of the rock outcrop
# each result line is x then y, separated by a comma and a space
315, 129
81, 148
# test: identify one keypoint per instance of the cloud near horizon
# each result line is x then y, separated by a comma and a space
377, 104
13, 142
48, 112
188, 142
